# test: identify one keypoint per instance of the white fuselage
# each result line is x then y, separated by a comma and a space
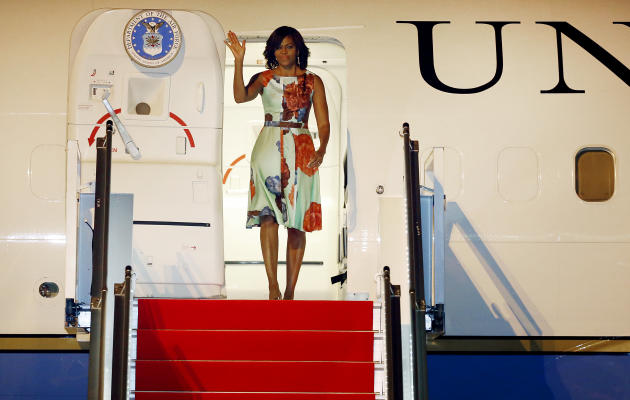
524, 253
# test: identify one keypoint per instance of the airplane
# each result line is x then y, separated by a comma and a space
518, 109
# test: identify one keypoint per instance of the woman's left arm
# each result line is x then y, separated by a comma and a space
323, 125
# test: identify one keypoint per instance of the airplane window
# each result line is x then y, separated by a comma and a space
594, 174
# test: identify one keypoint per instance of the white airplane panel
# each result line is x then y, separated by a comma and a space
32, 237
168, 145
524, 250
33, 209
529, 289
191, 87
190, 195
188, 95
174, 115
494, 218
27, 264
177, 255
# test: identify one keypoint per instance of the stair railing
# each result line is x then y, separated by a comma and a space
99, 359
433, 212
120, 358
98, 291
393, 339
416, 269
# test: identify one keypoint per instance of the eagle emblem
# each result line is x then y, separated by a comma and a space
152, 39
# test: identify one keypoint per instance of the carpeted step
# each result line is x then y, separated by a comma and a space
255, 376
254, 315
255, 345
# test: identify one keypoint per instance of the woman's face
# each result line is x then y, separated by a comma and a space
286, 54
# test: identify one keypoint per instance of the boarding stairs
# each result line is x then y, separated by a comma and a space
211, 349
183, 349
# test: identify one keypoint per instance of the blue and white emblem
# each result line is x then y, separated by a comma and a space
152, 38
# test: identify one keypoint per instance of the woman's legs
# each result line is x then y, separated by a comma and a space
296, 243
269, 246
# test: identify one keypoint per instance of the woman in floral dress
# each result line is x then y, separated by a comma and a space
284, 183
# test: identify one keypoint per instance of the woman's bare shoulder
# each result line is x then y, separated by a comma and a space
317, 81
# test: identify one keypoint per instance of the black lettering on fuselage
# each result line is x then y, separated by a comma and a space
427, 62
588, 44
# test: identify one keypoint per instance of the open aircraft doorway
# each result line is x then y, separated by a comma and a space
325, 255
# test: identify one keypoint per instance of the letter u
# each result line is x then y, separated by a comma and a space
427, 61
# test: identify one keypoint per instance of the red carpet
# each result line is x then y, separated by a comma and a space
254, 350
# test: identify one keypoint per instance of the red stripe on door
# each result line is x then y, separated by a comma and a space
180, 121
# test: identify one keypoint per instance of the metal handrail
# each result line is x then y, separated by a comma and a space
387, 302
120, 361
393, 345
416, 268
98, 291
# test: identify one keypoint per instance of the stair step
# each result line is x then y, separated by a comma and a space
256, 376
255, 314
255, 345
252, 396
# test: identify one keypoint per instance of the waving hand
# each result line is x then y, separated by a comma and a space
235, 46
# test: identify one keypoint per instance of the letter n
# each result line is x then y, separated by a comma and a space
597, 51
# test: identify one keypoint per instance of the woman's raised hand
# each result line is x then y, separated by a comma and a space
235, 46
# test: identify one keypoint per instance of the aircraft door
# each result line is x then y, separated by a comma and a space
173, 108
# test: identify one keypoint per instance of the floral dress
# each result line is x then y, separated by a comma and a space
281, 184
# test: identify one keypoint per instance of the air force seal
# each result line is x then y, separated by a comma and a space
152, 38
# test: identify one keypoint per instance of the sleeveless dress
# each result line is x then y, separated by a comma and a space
281, 184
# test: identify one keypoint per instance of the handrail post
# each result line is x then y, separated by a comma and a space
96, 368
387, 300
120, 359
393, 345
416, 268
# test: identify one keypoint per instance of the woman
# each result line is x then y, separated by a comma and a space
284, 183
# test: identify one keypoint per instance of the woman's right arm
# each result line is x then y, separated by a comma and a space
242, 93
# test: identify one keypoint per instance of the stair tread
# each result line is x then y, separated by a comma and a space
256, 376
255, 314
255, 345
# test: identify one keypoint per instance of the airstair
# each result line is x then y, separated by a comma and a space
207, 349
211, 349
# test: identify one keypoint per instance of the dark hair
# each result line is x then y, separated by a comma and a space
274, 41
